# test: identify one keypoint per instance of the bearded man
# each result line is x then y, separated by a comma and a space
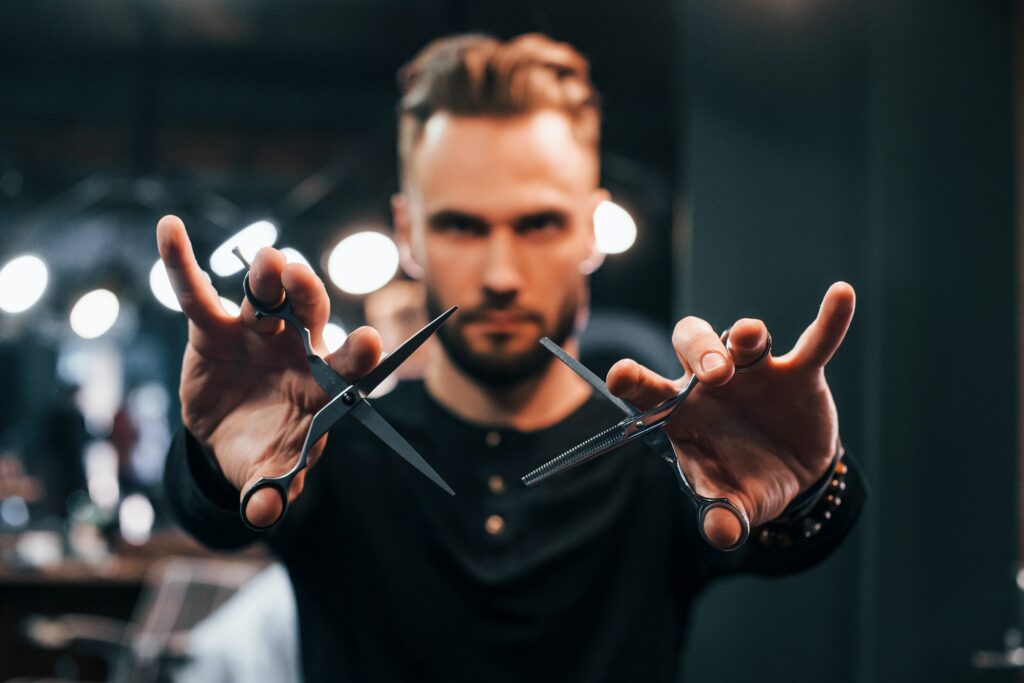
589, 577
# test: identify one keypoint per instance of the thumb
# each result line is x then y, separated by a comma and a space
641, 386
265, 506
722, 527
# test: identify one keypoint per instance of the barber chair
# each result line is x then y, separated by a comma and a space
177, 594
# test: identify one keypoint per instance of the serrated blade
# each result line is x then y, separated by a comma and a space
579, 454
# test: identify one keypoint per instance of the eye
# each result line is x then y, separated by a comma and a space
458, 224
541, 223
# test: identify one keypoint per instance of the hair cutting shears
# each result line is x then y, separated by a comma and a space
644, 425
348, 399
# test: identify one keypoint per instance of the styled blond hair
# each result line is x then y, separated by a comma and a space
478, 75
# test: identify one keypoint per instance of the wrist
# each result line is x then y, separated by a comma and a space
207, 473
809, 513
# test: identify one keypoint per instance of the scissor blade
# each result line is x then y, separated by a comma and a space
600, 443
386, 433
589, 377
398, 356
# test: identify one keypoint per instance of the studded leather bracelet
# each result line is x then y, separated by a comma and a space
811, 511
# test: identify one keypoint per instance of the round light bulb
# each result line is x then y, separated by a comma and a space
363, 262
334, 337
22, 283
95, 313
230, 307
249, 240
614, 228
160, 284
294, 256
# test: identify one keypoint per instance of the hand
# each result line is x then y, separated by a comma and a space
246, 389
760, 437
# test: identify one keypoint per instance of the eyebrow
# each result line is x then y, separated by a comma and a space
446, 216
556, 215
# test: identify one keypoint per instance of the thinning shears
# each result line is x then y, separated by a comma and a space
348, 399
644, 425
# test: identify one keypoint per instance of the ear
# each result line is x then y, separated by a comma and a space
594, 258
403, 235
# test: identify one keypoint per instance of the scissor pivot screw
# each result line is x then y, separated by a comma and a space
639, 424
348, 398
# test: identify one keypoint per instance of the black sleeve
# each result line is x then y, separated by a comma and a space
200, 498
756, 558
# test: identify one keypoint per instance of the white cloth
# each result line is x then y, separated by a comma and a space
251, 638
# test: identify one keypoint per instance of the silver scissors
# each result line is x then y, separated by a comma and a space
348, 399
641, 425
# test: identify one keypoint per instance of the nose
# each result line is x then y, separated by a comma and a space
502, 278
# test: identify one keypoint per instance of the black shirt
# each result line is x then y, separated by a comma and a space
586, 577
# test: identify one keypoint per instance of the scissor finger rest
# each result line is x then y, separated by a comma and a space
279, 484
706, 505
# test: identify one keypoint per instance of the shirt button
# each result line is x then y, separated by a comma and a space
495, 525
493, 438
496, 484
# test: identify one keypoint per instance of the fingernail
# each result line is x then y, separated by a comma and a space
711, 361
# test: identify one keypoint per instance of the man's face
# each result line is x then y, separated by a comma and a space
498, 213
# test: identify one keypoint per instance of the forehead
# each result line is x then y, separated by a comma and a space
492, 164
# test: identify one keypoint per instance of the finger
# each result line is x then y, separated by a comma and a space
700, 349
264, 508
265, 284
722, 527
196, 295
358, 355
641, 386
309, 299
821, 339
747, 341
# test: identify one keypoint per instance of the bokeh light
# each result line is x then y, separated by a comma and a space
95, 313
160, 284
614, 228
363, 262
230, 307
249, 240
294, 256
22, 283
135, 518
334, 337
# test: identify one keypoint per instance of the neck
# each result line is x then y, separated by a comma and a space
532, 404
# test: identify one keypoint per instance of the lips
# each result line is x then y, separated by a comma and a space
494, 317
499, 325
504, 319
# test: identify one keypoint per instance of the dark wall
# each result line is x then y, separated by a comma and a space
870, 142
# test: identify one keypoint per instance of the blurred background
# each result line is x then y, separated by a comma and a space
756, 151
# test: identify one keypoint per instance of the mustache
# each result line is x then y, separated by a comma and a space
482, 313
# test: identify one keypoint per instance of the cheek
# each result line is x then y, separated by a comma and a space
451, 267
555, 265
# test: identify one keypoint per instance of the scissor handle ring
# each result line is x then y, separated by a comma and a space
709, 504
261, 310
757, 362
280, 484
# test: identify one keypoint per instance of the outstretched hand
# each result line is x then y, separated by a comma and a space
760, 437
246, 390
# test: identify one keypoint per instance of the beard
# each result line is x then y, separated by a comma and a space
500, 369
